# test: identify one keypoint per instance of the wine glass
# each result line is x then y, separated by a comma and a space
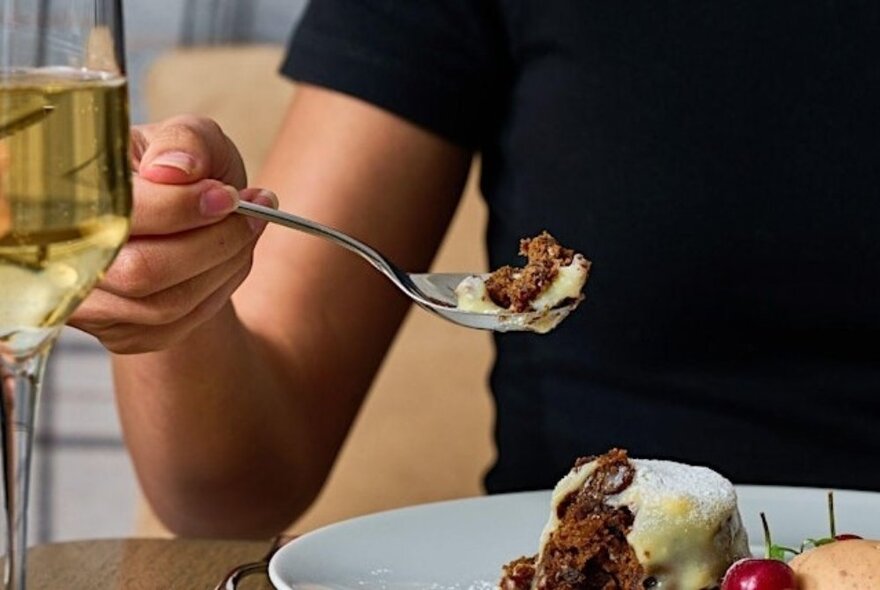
65, 202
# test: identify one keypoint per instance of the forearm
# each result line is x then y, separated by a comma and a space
202, 420
233, 426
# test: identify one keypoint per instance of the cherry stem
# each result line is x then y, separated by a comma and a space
831, 514
766, 533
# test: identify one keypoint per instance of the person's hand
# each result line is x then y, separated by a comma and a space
186, 254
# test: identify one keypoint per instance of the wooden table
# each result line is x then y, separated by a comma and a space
141, 564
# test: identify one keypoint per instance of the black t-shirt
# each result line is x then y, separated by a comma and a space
720, 164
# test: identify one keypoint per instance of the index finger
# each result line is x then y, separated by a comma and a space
159, 209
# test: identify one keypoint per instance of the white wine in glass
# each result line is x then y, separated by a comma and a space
65, 201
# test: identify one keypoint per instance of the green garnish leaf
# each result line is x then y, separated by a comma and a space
818, 542
776, 552
779, 551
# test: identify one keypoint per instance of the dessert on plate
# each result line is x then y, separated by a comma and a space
631, 524
553, 276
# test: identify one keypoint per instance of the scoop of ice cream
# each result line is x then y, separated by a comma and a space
843, 565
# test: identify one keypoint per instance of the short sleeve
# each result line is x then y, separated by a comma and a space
437, 63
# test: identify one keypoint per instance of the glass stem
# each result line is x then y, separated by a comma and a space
21, 385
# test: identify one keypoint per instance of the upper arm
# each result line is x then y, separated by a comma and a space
326, 315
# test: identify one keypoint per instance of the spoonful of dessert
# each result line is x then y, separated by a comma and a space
535, 298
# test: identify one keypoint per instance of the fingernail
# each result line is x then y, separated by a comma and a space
178, 160
218, 201
267, 199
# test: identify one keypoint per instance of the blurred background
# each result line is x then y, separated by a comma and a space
425, 432
83, 484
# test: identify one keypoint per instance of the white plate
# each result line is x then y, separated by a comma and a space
462, 544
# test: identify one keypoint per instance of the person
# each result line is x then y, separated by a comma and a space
718, 162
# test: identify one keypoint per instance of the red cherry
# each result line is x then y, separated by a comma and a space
759, 574
845, 537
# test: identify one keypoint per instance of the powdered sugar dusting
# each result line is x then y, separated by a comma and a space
666, 485
687, 527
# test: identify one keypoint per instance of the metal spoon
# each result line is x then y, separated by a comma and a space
232, 580
434, 292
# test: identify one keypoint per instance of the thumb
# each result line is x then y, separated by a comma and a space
186, 149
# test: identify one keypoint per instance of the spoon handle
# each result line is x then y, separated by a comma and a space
316, 229
379, 262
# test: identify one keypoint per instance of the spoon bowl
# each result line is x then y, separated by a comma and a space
441, 287
434, 292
